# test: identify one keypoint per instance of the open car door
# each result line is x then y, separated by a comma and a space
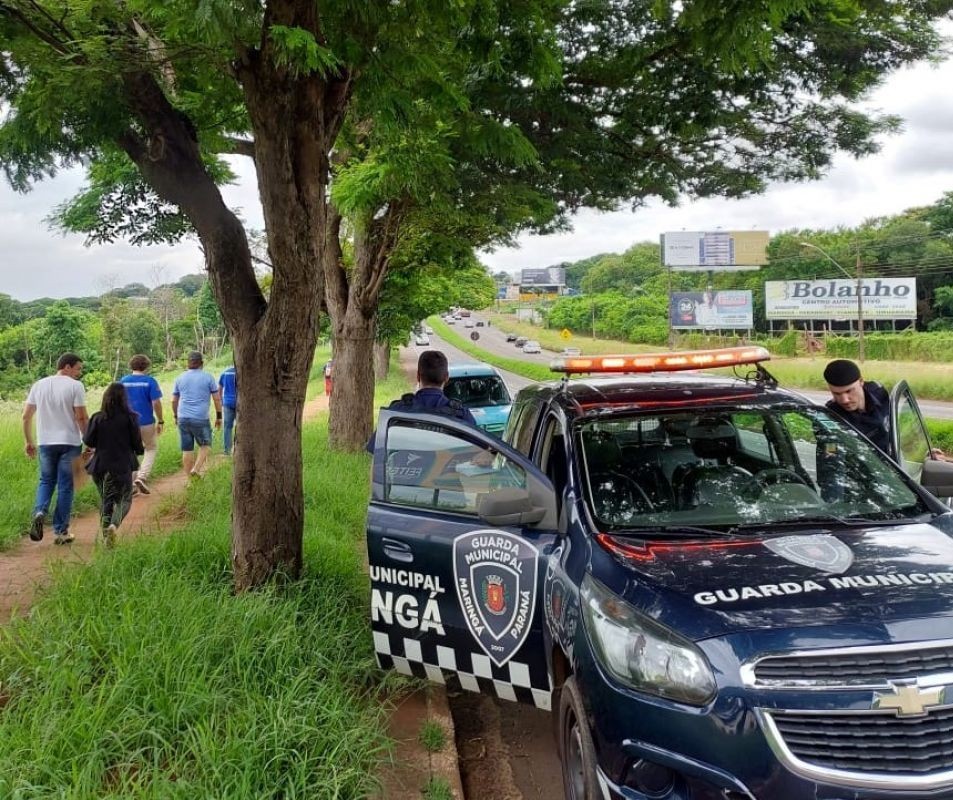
459, 531
910, 444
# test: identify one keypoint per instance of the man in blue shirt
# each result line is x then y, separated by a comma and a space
190, 396
433, 372
228, 385
145, 400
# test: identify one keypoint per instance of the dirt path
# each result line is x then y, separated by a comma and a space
26, 567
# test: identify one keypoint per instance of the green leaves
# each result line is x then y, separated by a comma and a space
299, 51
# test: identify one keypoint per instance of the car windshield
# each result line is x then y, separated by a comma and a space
741, 468
478, 391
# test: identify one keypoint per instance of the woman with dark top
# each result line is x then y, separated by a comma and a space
113, 434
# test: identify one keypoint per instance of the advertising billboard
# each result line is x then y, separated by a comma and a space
548, 276
726, 251
712, 310
882, 298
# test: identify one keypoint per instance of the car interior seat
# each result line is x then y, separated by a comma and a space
616, 496
715, 480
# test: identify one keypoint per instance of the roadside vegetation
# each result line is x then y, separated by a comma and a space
143, 675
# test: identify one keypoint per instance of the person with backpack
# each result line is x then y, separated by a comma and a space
116, 441
433, 372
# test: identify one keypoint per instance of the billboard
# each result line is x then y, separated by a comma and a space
712, 310
882, 298
726, 251
548, 276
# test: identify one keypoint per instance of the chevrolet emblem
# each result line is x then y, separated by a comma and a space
908, 700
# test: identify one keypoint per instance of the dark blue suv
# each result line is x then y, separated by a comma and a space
719, 589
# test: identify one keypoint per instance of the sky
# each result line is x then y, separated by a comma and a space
913, 168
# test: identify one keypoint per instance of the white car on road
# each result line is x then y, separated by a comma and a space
532, 346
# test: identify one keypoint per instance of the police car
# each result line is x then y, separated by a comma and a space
718, 589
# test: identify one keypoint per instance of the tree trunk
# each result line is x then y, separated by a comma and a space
267, 491
352, 401
381, 360
295, 117
352, 297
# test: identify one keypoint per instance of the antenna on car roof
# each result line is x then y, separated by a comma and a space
760, 375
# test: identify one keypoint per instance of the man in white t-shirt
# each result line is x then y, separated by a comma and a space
59, 405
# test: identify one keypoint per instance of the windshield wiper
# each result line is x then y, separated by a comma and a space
674, 532
820, 519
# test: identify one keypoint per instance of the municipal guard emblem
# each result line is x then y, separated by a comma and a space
821, 551
495, 573
494, 594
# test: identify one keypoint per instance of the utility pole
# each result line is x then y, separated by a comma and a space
859, 275
860, 309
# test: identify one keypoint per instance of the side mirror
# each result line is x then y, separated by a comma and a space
937, 477
509, 506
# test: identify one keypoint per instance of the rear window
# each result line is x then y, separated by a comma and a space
478, 391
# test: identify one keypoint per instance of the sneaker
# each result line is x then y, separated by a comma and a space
36, 527
140, 484
63, 538
109, 536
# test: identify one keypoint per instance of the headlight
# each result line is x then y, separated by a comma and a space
641, 653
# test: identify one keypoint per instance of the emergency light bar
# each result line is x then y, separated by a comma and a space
661, 362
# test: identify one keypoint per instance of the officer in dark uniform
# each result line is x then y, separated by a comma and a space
433, 372
864, 405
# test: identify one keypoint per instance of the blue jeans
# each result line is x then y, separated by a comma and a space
56, 472
228, 422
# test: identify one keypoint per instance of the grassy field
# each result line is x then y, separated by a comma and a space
142, 676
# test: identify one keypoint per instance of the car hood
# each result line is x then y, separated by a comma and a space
491, 415
819, 577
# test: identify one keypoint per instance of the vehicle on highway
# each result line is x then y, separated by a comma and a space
422, 340
468, 323
480, 388
532, 346
429, 330
464, 312
450, 320
719, 589
520, 341
572, 351
480, 323
511, 337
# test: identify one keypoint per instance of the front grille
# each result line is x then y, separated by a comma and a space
854, 666
871, 743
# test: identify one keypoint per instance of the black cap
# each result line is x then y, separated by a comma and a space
195, 357
841, 372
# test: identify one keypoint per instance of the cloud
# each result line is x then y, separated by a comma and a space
914, 168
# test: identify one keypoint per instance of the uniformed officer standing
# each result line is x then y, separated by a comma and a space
864, 405
433, 372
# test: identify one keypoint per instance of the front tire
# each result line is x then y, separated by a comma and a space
576, 750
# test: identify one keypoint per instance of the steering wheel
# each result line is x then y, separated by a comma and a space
617, 496
772, 477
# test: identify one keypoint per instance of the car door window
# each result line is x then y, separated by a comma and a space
914, 446
429, 466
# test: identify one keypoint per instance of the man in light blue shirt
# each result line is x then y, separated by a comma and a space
229, 387
190, 397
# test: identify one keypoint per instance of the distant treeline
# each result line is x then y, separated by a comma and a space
625, 296
106, 330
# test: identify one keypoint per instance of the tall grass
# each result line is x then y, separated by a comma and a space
141, 676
